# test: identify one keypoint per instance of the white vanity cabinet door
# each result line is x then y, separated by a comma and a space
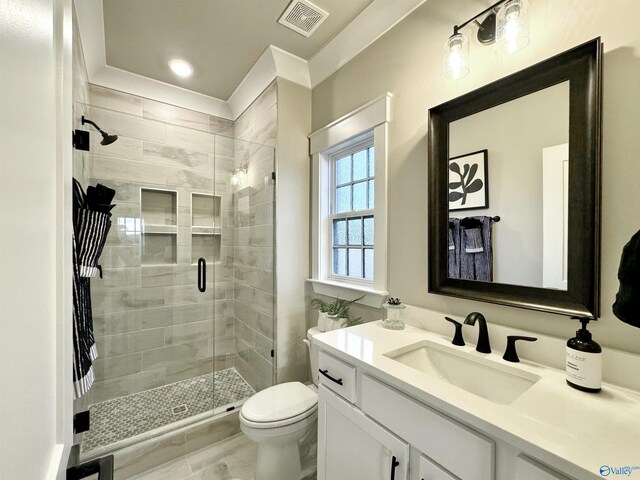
431, 471
353, 447
527, 469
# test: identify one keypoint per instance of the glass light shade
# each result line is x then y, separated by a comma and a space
455, 57
512, 26
180, 67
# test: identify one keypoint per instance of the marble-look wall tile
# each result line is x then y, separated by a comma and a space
122, 344
114, 323
131, 126
259, 300
263, 346
254, 277
120, 300
186, 369
175, 115
113, 367
124, 147
221, 126
188, 333
115, 256
175, 315
126, 385
177, 157
173, 355
119, 278
169, 275
259, 321
107, 168
114, 100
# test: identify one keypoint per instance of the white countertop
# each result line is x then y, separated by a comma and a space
572, 431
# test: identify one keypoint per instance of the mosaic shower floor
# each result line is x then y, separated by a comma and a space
121, 418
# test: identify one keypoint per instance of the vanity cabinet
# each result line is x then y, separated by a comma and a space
365, 426
351, 446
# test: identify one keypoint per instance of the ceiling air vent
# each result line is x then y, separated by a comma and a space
303, 17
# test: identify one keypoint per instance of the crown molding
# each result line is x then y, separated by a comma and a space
366, 28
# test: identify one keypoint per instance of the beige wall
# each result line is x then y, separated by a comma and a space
35, 170
406, 61
292, 222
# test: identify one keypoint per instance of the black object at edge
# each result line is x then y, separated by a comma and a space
458, 339
394, 464
81, 421
326, 374
202, 274
81, 140
102, 466
511, 354
230, 409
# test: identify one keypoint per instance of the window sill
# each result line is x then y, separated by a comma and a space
348, 291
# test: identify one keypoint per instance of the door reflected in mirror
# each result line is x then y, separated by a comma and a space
511, 161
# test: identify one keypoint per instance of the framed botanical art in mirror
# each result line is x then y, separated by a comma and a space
537, 134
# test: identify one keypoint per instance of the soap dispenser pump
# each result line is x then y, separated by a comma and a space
584, 360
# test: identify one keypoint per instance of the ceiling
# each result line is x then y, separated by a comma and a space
222, 39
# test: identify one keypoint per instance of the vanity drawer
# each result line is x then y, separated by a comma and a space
338, 376
442, 439
431, 471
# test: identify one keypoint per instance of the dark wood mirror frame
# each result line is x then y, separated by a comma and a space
582, 67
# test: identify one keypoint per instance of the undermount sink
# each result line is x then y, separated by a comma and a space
498, 382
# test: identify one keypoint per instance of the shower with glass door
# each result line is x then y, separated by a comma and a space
183, 316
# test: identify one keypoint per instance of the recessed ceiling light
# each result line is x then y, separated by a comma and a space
182, 68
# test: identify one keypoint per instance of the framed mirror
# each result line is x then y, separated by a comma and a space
514, 188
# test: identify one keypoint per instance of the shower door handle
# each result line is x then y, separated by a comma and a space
202, 274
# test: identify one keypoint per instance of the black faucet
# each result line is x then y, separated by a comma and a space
483, 336
510, 354
457, 338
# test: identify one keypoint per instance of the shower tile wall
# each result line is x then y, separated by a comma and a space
254, 321
152, 327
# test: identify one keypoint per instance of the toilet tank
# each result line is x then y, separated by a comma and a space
313, 354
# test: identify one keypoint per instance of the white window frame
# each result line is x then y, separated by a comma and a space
369, 120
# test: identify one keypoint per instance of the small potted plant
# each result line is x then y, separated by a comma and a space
323, 308
334, 315
394, 313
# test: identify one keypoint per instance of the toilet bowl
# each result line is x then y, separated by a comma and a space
277, 419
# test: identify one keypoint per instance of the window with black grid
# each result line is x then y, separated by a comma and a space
352, 218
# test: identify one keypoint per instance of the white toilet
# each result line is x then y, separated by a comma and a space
278, 418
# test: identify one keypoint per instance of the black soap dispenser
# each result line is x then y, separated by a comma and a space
584, 360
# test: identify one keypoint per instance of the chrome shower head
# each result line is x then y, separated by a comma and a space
106, 138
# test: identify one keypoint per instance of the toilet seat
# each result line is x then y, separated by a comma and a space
280, 405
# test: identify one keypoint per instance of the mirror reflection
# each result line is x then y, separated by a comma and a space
508, 192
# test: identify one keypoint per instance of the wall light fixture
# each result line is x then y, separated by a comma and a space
239, 175
505, 22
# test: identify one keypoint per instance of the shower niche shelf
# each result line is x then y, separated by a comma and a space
159, 215
206, 231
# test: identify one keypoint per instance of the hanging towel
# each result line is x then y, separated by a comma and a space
454, 253
627, 304
91, 223
476, 265
473, 240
